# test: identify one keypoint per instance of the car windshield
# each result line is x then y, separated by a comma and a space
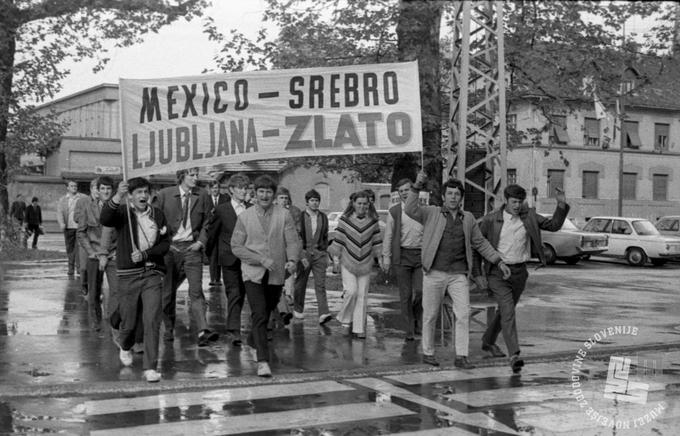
667, 224
645, 228
568, 224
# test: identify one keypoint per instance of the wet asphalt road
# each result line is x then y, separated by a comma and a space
47, 346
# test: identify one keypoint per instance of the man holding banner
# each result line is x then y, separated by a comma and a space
187, 211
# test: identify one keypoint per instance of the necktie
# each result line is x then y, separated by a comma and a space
185, 210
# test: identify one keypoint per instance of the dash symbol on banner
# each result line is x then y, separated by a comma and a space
270, 132
272, 94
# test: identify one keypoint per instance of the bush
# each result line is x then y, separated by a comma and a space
13, 243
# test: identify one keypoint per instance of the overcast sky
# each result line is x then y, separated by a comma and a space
183, 49
177, 50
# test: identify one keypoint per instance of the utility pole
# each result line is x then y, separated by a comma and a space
622, 139
478, 108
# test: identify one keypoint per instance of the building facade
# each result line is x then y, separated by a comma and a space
580, 154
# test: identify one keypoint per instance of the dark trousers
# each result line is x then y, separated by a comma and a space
35, 228
506, 293
262, 298
184, 264
71, 249
95, 279
215, 267
409, 273
236, 293
144, 288
318, 262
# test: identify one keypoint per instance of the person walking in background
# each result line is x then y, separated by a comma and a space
402, 243
267, 243
314, 234
356, 244
187, 210
66, 208
18, 213
284, 310
220, 231
33, 219
142, 244
514, 230
450, 234
216, 199
89, 236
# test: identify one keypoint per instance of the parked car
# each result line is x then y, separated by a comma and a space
333, 218
571, 244
669, 225
635, 239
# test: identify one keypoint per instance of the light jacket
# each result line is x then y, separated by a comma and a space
258, 249
433, 219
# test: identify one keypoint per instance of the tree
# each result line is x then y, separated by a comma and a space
551, 47
36, 37
323, 33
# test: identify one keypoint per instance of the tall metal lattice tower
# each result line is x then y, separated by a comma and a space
477, 136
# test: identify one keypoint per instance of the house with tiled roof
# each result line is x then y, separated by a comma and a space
579, 149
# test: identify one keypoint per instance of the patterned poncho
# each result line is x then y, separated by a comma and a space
357, 242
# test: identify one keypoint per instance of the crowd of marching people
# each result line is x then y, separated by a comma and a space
264, 249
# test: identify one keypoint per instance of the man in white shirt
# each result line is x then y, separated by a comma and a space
402, 243
514, 230
66, 209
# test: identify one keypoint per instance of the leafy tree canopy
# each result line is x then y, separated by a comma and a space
38, 36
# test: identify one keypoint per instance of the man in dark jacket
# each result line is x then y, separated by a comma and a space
313, 229
514, 231
217, 198
142, 244
34, 220
220, 229
187, 209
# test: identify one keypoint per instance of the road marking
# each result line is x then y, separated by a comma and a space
120, 405
317, 417
476, 419
426, 377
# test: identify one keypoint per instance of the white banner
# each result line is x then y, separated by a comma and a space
183, 122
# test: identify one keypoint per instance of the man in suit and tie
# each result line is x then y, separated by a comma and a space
220, 229
216, 198
187, 210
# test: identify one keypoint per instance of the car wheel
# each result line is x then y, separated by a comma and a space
659, 262
549, 253
636, 257
572, 260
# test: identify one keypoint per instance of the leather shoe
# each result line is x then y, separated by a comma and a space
493, 349
430, 360
463, 363
516, 363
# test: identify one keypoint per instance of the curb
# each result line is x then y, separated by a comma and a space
140, 387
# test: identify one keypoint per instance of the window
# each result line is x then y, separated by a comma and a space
599, 225
590, 179
661, 136
621, 227
659, 187
511, 121
512, 176
555, 180
627, 86
668, 224
591, 134
629, 186
558, 130
630, 129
